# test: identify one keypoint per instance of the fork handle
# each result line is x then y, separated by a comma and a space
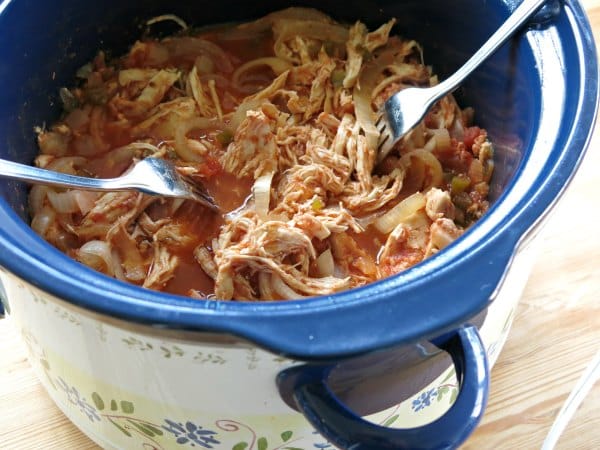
523, 12
22, 172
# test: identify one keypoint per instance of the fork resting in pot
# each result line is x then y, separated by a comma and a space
154, 176
406, 108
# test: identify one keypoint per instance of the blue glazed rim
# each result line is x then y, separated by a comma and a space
434, 296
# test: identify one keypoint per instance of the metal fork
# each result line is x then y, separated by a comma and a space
406, 108
154, 176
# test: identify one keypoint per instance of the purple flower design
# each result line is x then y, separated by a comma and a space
76, 399
424, 400
190, 433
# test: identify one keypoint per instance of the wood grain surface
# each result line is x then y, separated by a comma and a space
555, 335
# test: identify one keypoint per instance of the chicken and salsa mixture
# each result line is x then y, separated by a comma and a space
276, 119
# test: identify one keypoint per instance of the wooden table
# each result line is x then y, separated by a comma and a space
555, 334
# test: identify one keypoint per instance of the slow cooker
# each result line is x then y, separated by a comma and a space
401, 363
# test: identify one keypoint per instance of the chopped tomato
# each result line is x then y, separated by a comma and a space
471, 134
455, 159
402, 259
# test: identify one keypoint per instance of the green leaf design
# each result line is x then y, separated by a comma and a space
155, 430
127, 407
262, 443
113, 405
286, 435
391, 420
123, 430
142, 427
240, 446
441, 392
453, 395
292, 448
98, 401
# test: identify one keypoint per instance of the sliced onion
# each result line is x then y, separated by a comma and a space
277, 65
435, 167
363, 93
430, 145
97, 255
86, 200
72, 201
66, 164
116, 161
42, 220
240, 113
325, 264
417, 136
369, 219
416, 175
191, 47
37, 196
182, 148
116, 267
442, 138
262, 194
322, 233
457, 131
397, 77
400, 212
63, 202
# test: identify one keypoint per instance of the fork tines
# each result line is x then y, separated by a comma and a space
386, 141
199, 192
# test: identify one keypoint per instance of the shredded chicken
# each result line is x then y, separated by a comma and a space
253, 150
285, 139
360, 43
439, 204
162, 269
150, 96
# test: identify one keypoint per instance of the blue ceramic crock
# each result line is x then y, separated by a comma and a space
537, 97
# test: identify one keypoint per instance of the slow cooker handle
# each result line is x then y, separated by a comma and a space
347, 430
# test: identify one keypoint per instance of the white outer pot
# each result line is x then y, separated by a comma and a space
129, 386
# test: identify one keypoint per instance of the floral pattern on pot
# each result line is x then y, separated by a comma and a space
96, 372
134, 427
